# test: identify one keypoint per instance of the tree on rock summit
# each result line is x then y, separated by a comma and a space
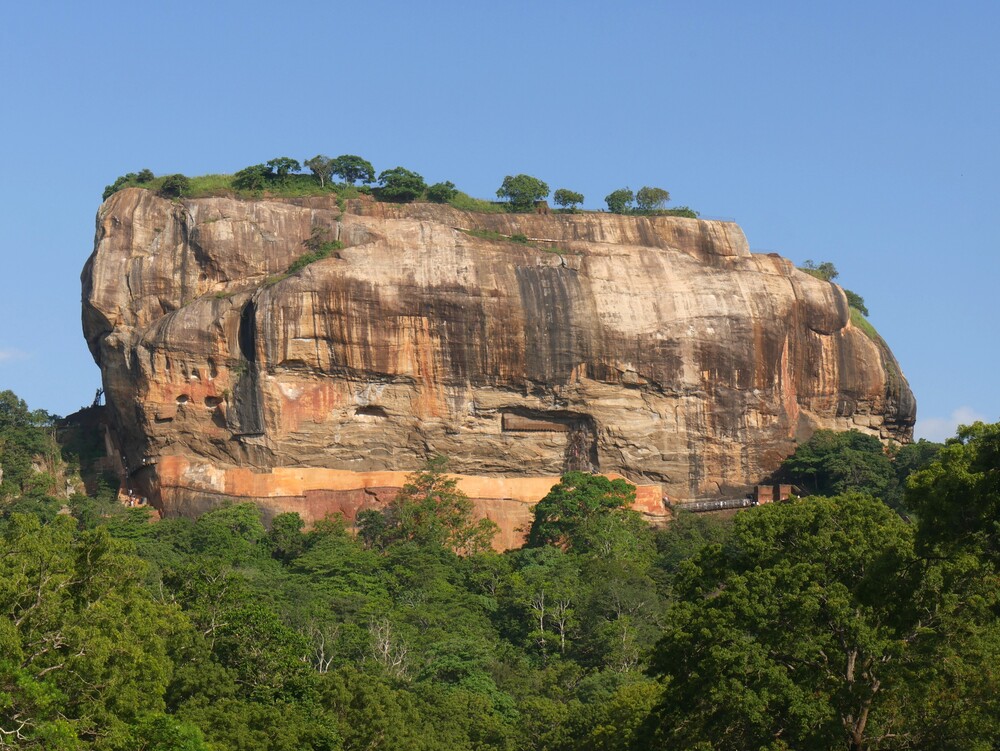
619, 200
650, 199
522, 191
567, 198
321, 166
351, 168
400, 184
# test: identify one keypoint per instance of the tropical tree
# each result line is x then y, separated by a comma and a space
567, 198
958, 495
619, 200
253, 178
856, 301
25, 437
566, 514
816, 626
522, 191
321, 166
825, 270
548, 589
399, 184
441, 192
83, 646
175, 186
351, 168
832, 462
126, 180
282, 165
650, 199
430, 510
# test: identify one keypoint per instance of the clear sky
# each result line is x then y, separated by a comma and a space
862, 133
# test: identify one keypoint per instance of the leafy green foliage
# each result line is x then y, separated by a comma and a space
912, 457
319, 246
825, 270
465, 202
812, 624
442, 192
687, 534
253, 178
321, 166
567, 514
831, 463
281, 167
130, 179
684, 211
430, 510
26, 436
651, 199
856, 301
175, 186
567, 198
281, 177
619, 201
399, 184
84, 645
351, 168
805, 631
957, 495
522, 191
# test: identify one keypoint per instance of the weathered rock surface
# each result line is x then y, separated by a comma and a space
659, 348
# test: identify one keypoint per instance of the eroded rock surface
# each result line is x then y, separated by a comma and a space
659, 348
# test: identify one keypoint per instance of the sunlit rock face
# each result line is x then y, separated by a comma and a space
659, 348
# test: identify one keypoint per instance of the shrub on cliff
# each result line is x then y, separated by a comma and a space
321, 166
281, 167
567, 198
651, 199
399, 184
351, 168
441, 192
252, 178
319, 246
522, 191
175, 186
619, 201
825, 270
141, 177
856, 301
257, 177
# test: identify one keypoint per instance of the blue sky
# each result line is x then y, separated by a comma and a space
860, 133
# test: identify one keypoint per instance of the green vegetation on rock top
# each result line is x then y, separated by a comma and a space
283, 177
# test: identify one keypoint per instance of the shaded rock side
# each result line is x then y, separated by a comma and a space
659, 348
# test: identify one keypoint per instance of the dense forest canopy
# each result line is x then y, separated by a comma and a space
861, 617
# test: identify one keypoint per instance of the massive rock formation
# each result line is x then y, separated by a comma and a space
659, 348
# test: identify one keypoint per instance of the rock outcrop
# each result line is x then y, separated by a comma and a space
659, 348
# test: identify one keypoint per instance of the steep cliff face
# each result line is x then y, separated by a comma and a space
658, 348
